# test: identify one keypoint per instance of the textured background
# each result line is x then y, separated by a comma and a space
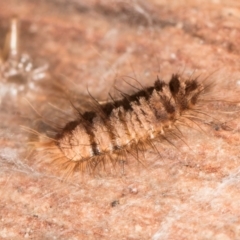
187, 193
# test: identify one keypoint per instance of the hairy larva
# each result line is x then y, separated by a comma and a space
118, 128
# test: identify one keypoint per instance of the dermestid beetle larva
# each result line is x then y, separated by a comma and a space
126, 126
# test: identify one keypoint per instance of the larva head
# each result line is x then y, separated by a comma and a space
185, 92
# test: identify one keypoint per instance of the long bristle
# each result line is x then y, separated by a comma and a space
113, 131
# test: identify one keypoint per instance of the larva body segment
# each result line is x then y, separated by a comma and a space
122, 126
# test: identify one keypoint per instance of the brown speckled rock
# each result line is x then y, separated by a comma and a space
190, 192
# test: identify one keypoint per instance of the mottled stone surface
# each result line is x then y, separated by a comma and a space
192, 191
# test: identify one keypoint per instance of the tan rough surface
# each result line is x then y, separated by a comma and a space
187, 193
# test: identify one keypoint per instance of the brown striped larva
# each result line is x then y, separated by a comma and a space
120, 127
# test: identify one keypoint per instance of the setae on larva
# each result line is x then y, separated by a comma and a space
124, 126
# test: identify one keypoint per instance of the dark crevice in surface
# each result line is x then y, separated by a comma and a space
137, 14
134, 14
